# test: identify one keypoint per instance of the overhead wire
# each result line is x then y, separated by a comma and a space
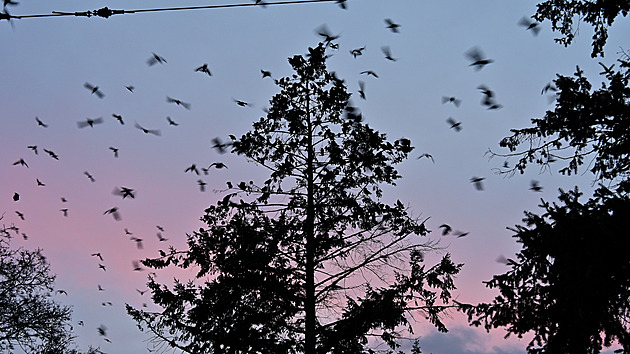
106, 12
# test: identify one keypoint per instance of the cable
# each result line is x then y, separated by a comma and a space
106, 12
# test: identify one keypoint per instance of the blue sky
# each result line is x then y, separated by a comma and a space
45, 63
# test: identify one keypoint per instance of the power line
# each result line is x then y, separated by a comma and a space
106, 12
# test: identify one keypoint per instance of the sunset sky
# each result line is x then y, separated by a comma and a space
46, 62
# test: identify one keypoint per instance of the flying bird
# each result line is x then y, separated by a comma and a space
325, 33
453, 100
40, 183
454, 125
388, 54
51, 154
361, 89
115, 150
97, 254
265, 73
446, 229
119, 118
155, 132
64, 211
369, 72
530, 25
391, 25
160, 228
357, 51
20, 215
477, 58
125, 192
204, 69
114, 212
202, 185
220, 146
89, 176
141, 292
129, 88
34, 148
136, 266
102, 267
94, 89
20, 162
535, 186
40, 123
178, 102
160, 237
16, 197
192, 168
427, 155
154, 59
477, 182
90, 122
171, 122
241, 103
138, 242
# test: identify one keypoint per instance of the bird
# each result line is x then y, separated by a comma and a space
127, 232
102, 267
62, 292
369, 72
119, 118
391, 25
160, 228
357, 52
454, 125
361, 89
94, 89
34, 148
130, 88
530, 25
138, 242
154, 59
20, 162
324, 32
100, 288
204, 69
220, 146
241, 103
217, 165
141, 292
115, 150
40, 183
388, 55
125, 192
102, 330
452, 100
160, 237
427, 155
40, 123
341, 3
535, 186
64, 200
90, 122
64, 211
192, 168
51, 154
446, 229
136, 266
178, 102
265, 73
20, 215
548, 87
477, 182
608, 70
97, 254
89, 176
114, 212
155, 132
202, 185
476, 56
16, 197
171, 122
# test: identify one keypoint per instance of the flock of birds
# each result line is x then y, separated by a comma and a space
477, 59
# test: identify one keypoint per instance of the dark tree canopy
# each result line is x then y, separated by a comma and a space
588, 126
311, 260
29, 318
598, 13
570, 283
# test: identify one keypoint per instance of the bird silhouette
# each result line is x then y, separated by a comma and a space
115, 150
460, 234
16, 197
124, 192
535, 186
20, 162
40, 123
241, 103
90, 122
530, 25
454, 125
89, 176
94, 89
476, 56
369, 72
51, 154
102, 267
102, 330
160, 237
119, 118
160, 228
192, 168
326, 35
202, 185
220, 146
452, 100
171, 122
34, 148
136, 266
127, 232
392, 26
40, 183
477, 182
64, 211
204, 69
446, 229
20, 215
388, 54
361, 89
548, 87
155, 132
357, 52
178, 102
130, 88
100, 288
141, 292
138, 242
265, 73
154, 59
114, 212
428, 156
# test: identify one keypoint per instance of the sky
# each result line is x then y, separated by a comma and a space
46, 62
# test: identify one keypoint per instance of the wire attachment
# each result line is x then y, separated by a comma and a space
104, 12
